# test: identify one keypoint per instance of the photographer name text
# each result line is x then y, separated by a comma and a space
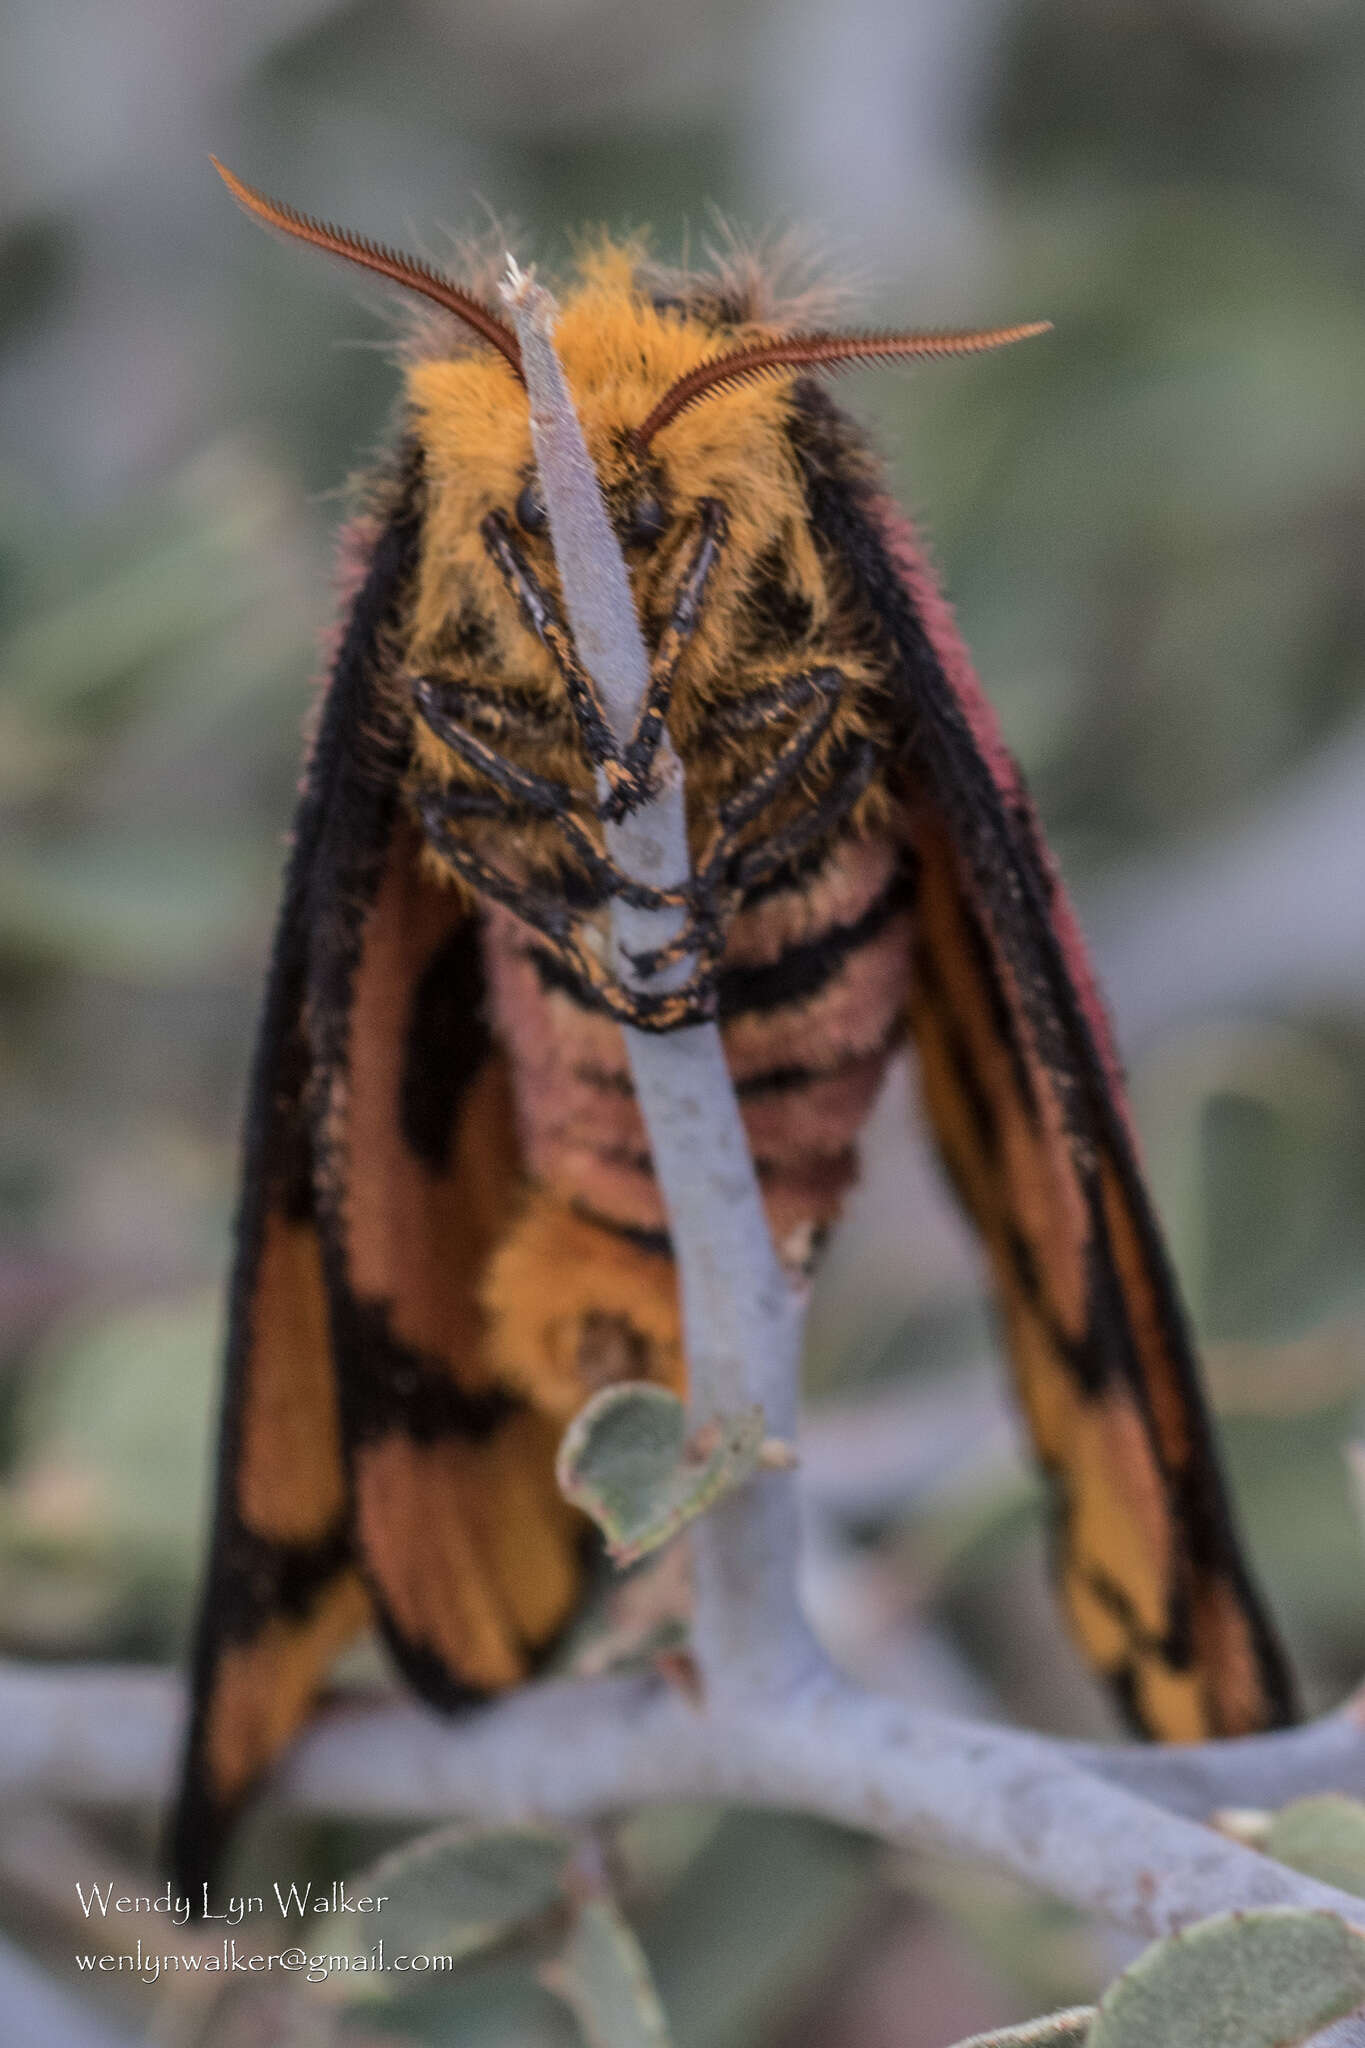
290, 1901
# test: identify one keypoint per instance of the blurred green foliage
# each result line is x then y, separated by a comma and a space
1152, 525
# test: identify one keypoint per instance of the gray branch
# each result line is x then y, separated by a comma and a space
1111, 1829
742, 1317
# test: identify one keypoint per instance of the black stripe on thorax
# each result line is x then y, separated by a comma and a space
786, 1079
789, 1078
798, 974
806, 968
659, 1242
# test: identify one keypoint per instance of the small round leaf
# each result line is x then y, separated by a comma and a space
627, 1461
1243, 1980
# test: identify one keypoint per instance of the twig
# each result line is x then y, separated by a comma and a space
1327, 1755
1064, 1816
1017, 1799
101, 1734
742, 1318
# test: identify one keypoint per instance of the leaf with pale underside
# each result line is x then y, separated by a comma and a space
603, 1978
1068, 2029
627, 1460
1324, 1837
461, 1889
1243, 1980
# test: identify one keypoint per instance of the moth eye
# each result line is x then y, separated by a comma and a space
531, 513
646, 522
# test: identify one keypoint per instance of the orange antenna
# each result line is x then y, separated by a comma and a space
821, 352
408, 271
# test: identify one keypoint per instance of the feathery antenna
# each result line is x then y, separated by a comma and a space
408, 271
821, 352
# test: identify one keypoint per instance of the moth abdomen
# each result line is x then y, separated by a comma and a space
812, 984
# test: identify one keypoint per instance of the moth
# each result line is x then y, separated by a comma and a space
450, 1234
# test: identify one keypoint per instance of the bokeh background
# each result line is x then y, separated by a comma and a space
1153, 525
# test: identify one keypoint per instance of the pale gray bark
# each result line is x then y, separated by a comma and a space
742, 1317
1063, 1816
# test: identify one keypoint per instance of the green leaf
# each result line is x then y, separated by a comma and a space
459, 1890
603, 1978
1056, 2030
627, 1461
1324, 1837
1242, 1980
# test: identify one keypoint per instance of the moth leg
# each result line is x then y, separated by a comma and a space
713, 898
724, 871
757, 863
756, 708
539, 794
442, 806
490, 710
823, 686
452, 711
546, 913
542, 615
715, 887
627, 770
678, 632
554, 922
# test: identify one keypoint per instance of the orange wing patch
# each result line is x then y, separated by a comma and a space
420, 1140
1149, 1571
370, 1466
263, 1687
423, 1180
576, 1305
283, 1595
472, 1547
291, 1487
291, 1498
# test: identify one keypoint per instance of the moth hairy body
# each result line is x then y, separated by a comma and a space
451, 1235
811, 982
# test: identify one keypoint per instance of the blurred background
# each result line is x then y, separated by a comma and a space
1152, 524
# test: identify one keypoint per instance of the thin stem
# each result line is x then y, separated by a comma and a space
742, 1317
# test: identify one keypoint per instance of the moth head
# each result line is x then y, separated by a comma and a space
680, 405
676, 408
